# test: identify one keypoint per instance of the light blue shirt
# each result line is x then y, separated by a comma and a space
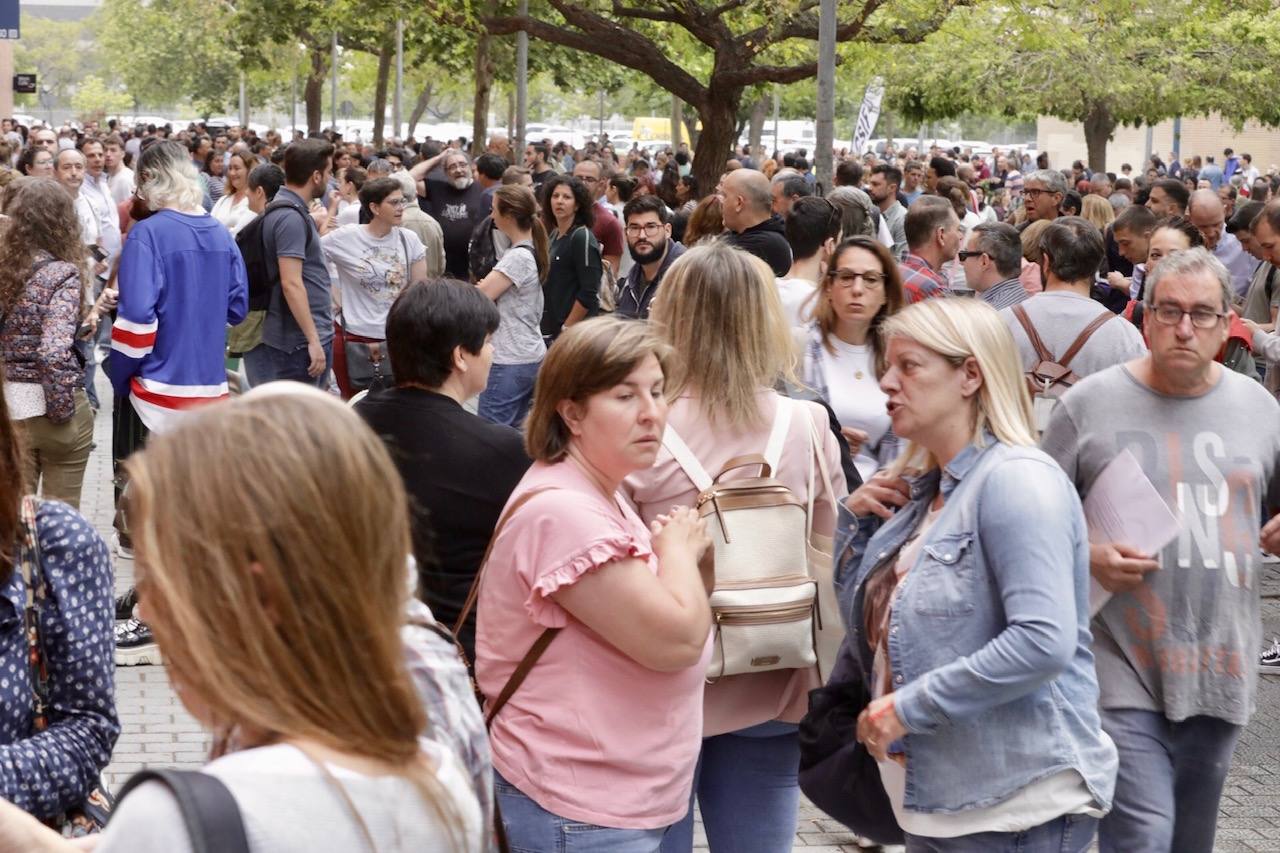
1238, 262
988, 636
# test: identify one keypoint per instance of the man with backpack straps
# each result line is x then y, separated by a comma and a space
297, 333
1062, 334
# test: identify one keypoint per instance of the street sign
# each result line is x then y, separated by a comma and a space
9, 15
24, 84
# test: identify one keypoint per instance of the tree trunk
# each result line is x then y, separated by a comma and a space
313, 91
1099, 125
719, 114
511, 114
677, 122
484, 86
420, 106
691, 128
385, 55
756, 128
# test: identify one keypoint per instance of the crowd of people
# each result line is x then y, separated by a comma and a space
708, 495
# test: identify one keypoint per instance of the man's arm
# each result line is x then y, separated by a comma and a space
419, 171
295, 296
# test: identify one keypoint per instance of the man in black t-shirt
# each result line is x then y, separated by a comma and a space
453, 199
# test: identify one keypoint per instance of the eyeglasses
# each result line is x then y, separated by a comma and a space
1201, 318
396, 202
650, 229
1034, 193
588, 180
966, 255
845, 279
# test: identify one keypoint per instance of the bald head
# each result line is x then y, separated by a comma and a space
1207, 214
747, 199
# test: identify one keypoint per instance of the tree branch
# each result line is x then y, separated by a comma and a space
622, 11
601, 37
767, 74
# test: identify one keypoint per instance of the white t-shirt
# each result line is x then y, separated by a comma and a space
370, 273
797, 300
121, 184
856, 398
288, 806
349, 215
234, 215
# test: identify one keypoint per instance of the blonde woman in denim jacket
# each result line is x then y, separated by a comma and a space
963, 572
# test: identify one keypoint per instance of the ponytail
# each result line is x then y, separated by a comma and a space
541, 248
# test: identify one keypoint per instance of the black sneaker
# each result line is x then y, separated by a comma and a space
135, 645
1269, 660
125, 604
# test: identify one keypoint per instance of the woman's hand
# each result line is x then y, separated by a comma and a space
855, 437
879, 726
880, 495
682, 530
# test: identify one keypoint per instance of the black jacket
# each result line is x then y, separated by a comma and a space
438, 448
767, 241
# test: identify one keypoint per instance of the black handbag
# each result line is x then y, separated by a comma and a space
837, 773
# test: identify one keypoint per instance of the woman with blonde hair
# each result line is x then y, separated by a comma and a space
1098, 210
591, 636
964, 576
723, 406
844, 347
256, 605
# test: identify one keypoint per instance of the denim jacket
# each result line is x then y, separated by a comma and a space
989, 634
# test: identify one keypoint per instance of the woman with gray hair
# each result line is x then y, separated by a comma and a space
182, 281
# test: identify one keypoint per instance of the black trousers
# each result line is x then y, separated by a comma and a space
128, 434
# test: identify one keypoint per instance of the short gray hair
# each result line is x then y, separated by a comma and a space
1188, 262
1000, 242
1053, 181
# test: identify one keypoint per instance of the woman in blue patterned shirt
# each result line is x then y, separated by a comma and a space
47, 772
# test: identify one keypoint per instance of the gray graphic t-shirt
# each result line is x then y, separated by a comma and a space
1184, 642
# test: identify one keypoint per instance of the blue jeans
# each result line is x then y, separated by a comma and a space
506, 399
1070, 833
1170, 782
268, 364
747, 788
532, 829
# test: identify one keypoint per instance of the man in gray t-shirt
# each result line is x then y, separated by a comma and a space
1175, 645
297, 333
1072, 250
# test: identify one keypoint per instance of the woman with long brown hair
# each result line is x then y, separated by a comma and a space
515, 285
232, 208
42, 276
283, 634
57, 708
844, 352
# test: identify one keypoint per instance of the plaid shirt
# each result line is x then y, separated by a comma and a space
454, 719
919, 281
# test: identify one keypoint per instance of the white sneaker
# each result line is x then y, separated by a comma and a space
1269, 660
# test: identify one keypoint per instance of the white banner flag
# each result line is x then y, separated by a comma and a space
868, 114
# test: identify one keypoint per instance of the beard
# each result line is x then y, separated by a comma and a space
461, 183
650, 256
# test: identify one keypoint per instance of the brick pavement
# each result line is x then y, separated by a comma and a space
158, 732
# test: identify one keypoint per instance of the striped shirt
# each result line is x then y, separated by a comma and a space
1005, 294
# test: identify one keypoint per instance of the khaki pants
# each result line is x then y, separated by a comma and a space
57, 454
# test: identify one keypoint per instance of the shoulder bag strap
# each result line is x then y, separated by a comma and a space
213, 819
33, 579
684, 457
1084, 336
823, 484
474, 592
1032, 335
778, 435
520, 673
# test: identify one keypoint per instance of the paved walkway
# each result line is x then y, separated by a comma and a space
158, 732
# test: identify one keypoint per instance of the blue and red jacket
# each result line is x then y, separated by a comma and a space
182, 280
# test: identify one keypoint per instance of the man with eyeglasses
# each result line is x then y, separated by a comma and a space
1042, 194
1174, 645
651, 247
605, 226
455, 201
992, 262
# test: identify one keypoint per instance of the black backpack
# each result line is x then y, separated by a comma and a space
482, 255
263, 272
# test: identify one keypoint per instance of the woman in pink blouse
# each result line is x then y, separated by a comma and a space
723, 406
595, 750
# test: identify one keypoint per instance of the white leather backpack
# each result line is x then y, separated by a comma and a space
765, 601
